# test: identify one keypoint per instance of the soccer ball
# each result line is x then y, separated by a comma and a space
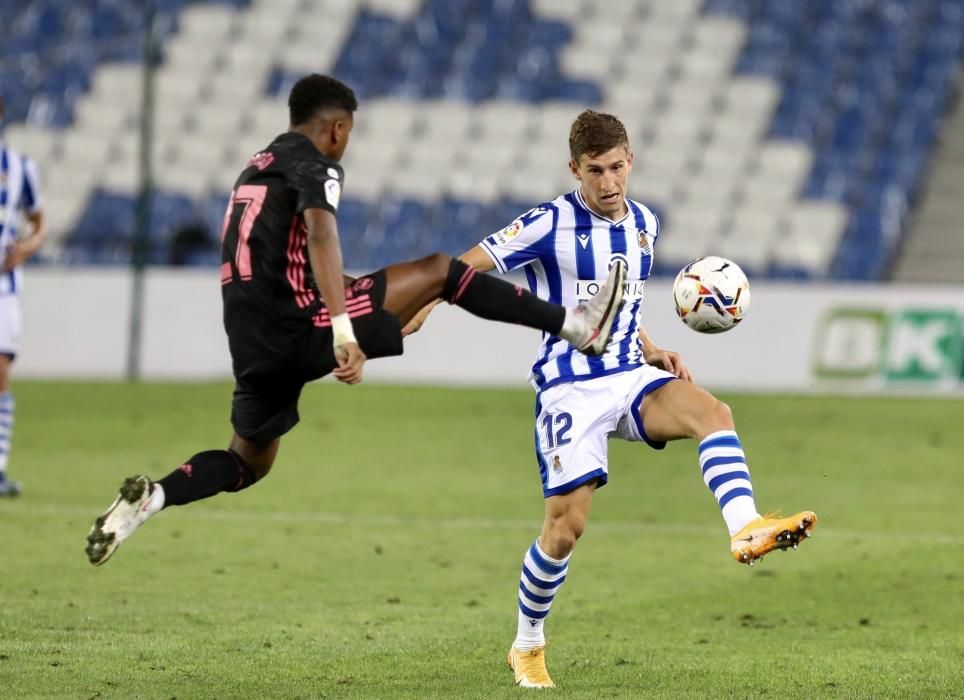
712, 294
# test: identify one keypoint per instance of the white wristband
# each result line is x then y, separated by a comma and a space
342, 330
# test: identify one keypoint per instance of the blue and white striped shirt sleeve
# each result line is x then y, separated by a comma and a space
520, 242
30, 192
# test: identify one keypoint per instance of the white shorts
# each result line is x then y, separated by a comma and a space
9, 324
574, 421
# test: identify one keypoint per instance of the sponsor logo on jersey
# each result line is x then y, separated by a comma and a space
508, 233
261, 160
363, 283
332, 192
632, 289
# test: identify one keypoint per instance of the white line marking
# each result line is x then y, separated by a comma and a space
25, 507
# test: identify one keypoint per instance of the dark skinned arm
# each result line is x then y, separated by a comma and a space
324, 254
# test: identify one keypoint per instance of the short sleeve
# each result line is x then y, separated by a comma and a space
30, 190
522, 241
318, 184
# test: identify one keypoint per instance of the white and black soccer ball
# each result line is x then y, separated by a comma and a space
712, 294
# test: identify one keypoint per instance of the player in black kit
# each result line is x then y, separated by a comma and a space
291, 315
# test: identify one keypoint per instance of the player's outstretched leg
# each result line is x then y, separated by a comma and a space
681, 409
205, 474
413, 285
725, 472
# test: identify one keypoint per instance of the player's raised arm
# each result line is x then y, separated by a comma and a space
324, 254
475, 257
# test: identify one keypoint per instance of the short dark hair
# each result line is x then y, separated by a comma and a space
317, 92
595, 132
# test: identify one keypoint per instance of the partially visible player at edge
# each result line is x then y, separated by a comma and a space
19, 190
291, 316
566, 247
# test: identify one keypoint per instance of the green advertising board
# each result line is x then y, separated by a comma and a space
899, 347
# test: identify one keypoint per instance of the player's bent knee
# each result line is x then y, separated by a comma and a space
716, 416
723, 415
260, 470
259, 457
437, 264
559, 535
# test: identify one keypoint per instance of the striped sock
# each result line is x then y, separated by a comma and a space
727, 476
7, 406
542, 576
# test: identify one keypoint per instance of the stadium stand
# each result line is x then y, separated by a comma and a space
793, 137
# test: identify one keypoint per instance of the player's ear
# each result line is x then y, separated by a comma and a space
574, 168
629, 158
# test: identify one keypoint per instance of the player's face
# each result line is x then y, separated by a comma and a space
603, 179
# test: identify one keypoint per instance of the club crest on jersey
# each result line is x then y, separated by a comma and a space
557, 465
261, 160
332, 192
508, 233
644, 243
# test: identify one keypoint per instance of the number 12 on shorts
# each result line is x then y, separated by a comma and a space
556, 427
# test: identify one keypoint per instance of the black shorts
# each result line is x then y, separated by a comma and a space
268, 384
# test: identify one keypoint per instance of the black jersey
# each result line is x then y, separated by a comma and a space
268, 289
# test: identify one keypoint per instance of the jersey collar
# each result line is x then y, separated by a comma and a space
582, 203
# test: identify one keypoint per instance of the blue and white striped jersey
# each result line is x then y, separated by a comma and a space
566, 250
19, 189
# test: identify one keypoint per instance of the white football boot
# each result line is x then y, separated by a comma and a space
594, 317
131, 508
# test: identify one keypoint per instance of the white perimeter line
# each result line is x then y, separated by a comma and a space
24, 507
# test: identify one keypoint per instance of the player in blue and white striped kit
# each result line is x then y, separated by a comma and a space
19, 190
635, 390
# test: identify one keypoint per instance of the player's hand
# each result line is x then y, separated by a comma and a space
350, 359
15, 256
418, 320
669, 361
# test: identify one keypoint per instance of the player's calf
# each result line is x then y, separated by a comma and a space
587, 327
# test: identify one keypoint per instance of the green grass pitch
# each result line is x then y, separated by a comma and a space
381, 557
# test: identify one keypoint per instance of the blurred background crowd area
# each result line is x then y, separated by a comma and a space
806, 140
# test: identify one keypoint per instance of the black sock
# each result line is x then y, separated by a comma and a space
206, 474
497, 300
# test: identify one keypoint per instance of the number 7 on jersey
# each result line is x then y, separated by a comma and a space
251, 197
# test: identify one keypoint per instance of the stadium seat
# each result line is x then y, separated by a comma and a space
737, 109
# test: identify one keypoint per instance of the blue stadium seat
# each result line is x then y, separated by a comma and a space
169, 212
865, 84
107, 215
